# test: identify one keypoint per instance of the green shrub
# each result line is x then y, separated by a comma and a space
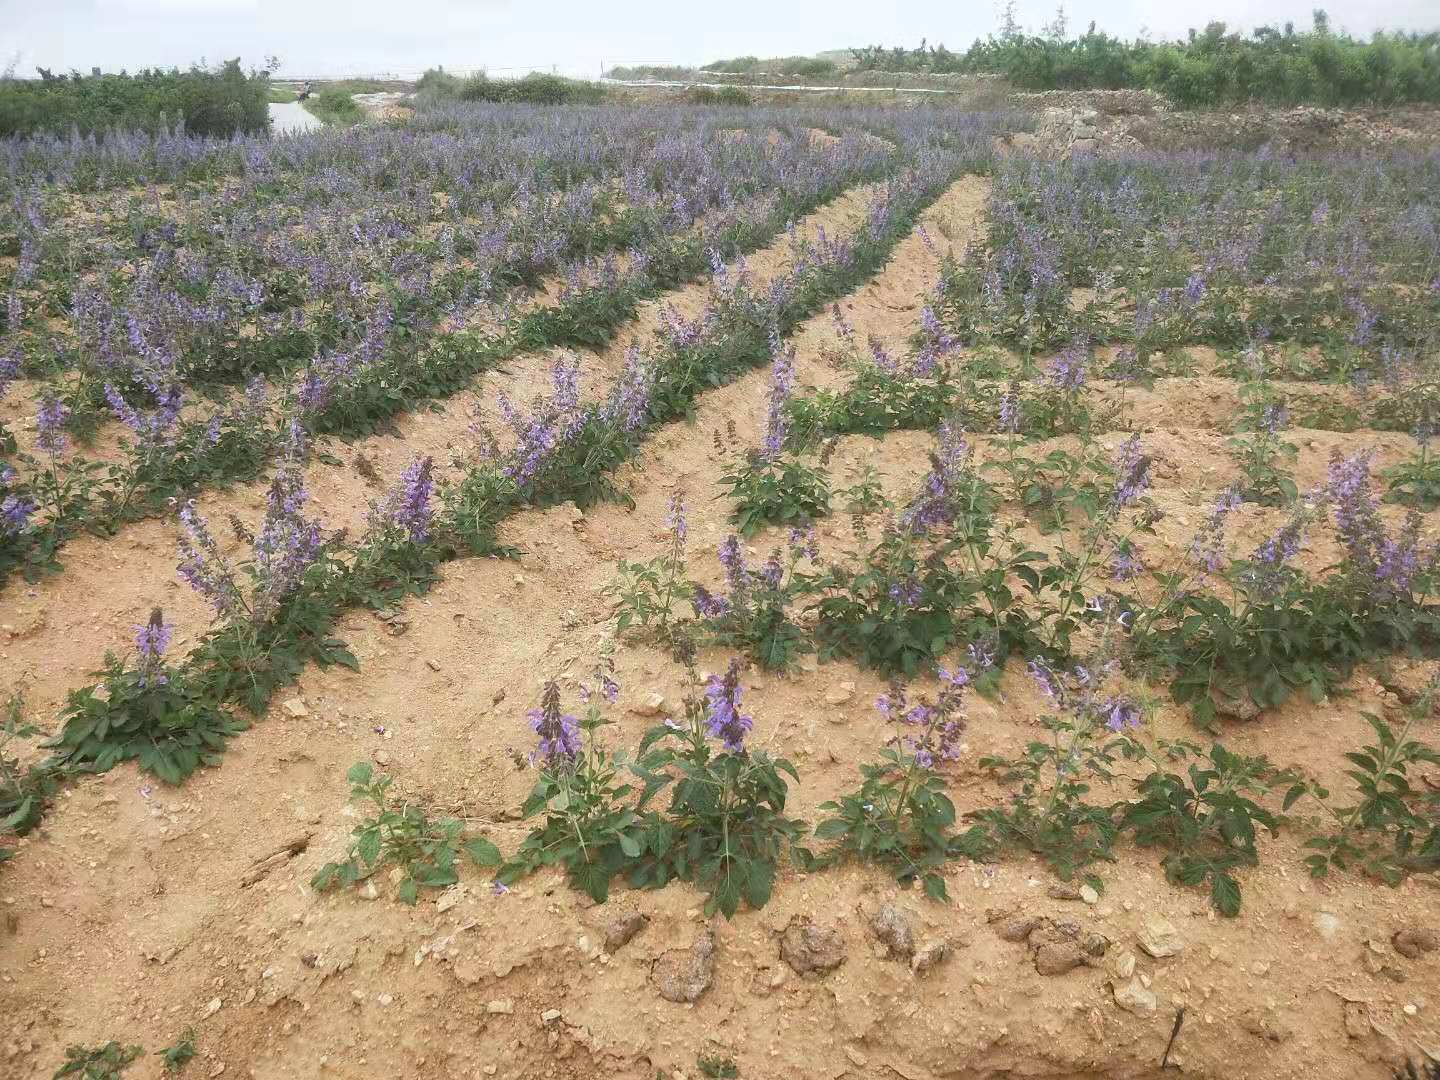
664, 72
1209, 68
533, 89
334, 105
438, 81
724, 95
222, 101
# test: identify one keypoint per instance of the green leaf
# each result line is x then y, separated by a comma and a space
1225, 894
360, 773
482, 852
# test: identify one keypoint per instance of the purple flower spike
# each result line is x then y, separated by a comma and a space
723, 718
50, 424
1133, 469
407, 506
151, 640
782, 381
559, 733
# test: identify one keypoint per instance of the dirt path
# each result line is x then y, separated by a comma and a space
292, 118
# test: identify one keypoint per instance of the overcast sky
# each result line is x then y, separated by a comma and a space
332, 37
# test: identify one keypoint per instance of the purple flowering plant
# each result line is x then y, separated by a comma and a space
52, 501
400, 551
146, 710
1263, 452
1256, 639
771, 486
725, 827
1416, 480
754, 610
901, 816
646, 593
273, 611
1087, 722
1116, 519
591, 828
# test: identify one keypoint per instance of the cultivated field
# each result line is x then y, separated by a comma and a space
810, 593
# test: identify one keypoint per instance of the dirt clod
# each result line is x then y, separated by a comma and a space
1058, 957
682, 975
807, 947
929, 955
893, 929
1414, 942
619, 931
1019, 929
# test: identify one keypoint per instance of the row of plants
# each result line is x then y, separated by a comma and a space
725, 828
1228, 251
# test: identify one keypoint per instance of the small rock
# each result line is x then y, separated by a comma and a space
840, 694
1357, 1019
385, 1000
295, 708
1121, 964
807, 947
368, 891
682, 975
1063, 892
500, 1006
857, 1059
1058, 957
1413, 942
1265, 1025
1133, 996
653, 705
1326, 924
1089, 895
549, 1016
1020, 928
928, 955
892, 927
433, 665
213, 1007
619, 931
1241, 708
1159, 938
382, 758
450, 897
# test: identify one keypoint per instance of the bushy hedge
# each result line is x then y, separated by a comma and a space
1210, 67
334, 105
663, 72
533, 89
718, 95
799, 66
222, 101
